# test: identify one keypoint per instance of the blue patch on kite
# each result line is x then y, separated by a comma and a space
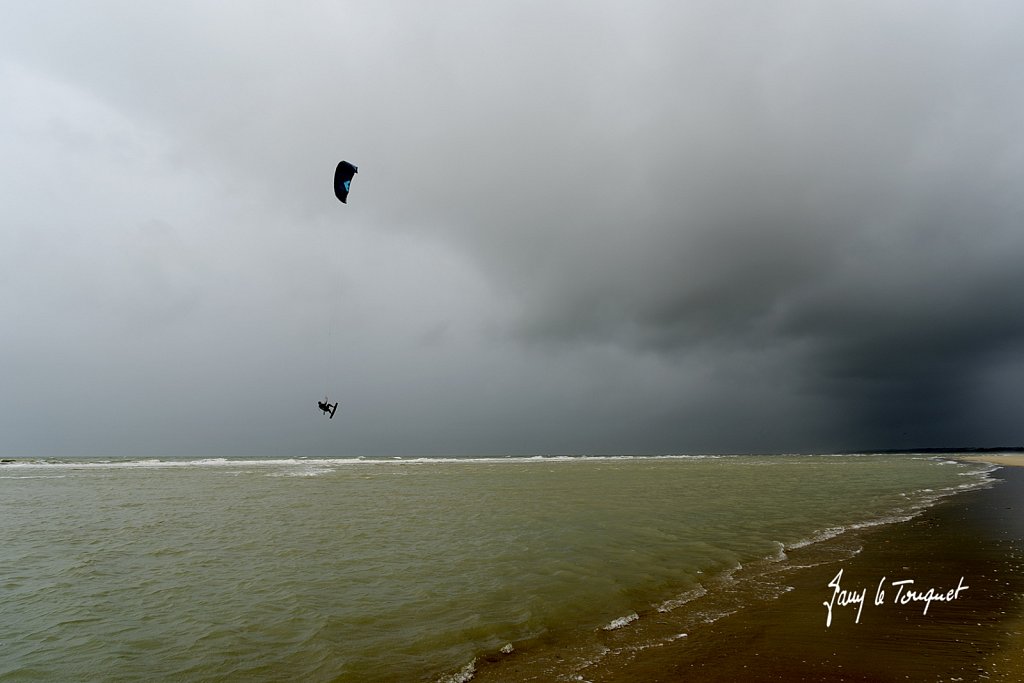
348, 184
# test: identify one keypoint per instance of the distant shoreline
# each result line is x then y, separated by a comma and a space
1008, 459
944, 450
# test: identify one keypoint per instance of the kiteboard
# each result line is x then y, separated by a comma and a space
333, 408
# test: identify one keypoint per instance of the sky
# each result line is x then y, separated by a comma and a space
578, 227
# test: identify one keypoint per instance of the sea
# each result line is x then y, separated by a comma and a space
414, 569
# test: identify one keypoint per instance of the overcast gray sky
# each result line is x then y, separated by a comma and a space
579, 226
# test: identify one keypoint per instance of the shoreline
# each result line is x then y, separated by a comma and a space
1009, 660
972, 541
968, 535
1002, 460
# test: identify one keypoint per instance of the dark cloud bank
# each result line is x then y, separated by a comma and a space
827, 194
667, 227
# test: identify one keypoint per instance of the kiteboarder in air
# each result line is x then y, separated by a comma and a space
343, 175
326, 406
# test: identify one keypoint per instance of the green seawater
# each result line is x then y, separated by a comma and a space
395, 570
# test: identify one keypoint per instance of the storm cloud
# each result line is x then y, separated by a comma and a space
577, 227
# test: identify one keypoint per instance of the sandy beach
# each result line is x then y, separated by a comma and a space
977, 537
1007, 460
942, 600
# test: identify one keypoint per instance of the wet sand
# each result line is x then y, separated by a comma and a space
973, 541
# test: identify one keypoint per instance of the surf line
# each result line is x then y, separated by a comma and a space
904, 595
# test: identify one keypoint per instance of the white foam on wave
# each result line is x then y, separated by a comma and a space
780, 552
620, 622
712, 617
164, 463
682, 599
832, 532
818, 537
463, 675
35, 476
926, 498
302, 472
117, 463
